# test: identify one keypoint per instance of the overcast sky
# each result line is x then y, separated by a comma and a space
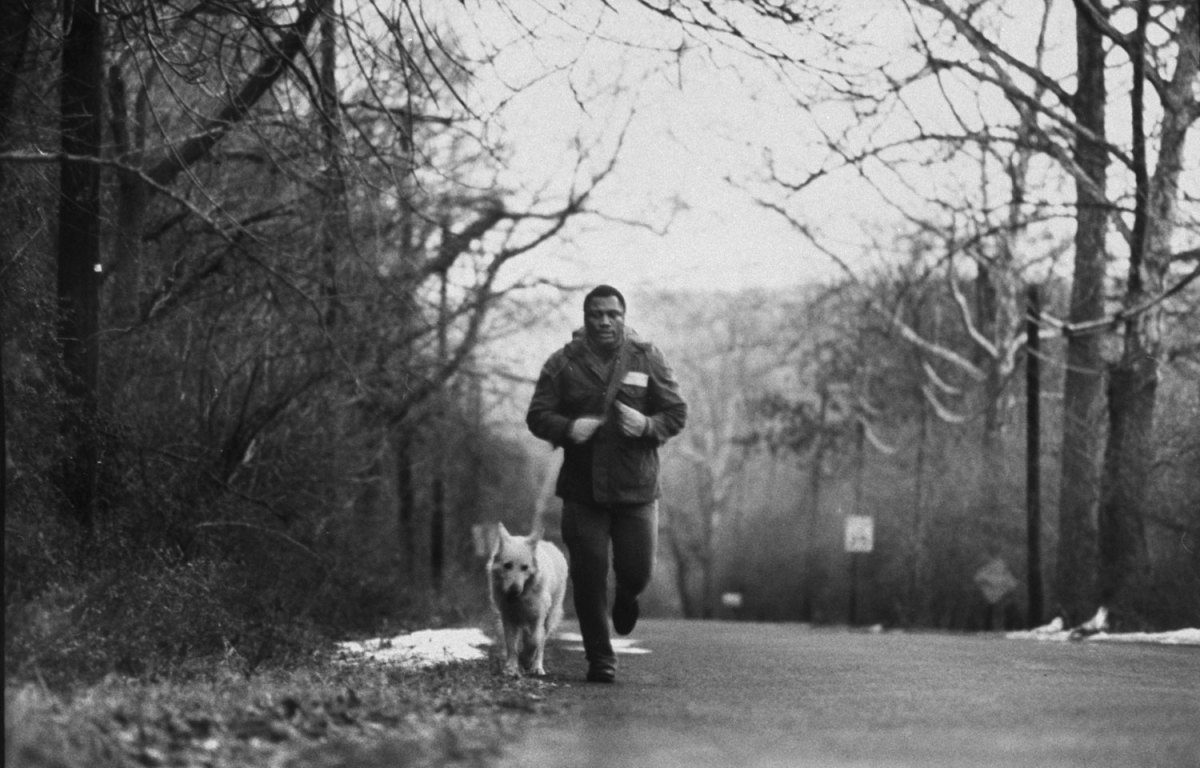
690, 122
696, 122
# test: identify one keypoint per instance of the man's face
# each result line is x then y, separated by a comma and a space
604, 320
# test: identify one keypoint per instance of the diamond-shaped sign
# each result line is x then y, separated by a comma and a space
995, 580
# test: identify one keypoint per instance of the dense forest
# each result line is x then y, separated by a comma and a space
259, 313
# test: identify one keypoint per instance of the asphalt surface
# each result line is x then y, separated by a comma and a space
738, 694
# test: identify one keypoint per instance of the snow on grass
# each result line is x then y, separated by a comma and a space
426, 648
430, 647
1095, 631
1176, 637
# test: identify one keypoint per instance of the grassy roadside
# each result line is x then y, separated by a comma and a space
325, 712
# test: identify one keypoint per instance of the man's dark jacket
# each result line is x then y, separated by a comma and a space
610, 468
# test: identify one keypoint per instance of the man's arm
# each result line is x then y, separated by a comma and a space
667, 411
544, 416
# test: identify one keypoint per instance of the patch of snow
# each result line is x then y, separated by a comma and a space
430, 647
425, 648
1176, 637
1054, 632
626, 645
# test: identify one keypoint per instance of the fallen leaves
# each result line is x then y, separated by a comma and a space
330, 715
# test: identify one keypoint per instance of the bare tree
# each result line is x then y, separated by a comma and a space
721, 370
1083, 381
303, 230
1046, 131
79, 247
1134, 378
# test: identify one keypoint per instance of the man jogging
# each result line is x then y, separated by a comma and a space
610, 400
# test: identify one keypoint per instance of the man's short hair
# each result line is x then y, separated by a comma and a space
603, 292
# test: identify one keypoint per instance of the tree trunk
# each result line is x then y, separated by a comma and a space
708, 564
126, 263
1083, 387
916, 551
16, 20
990, 480
406, 503
808, 546
437, 529
683, 577
1124, 567
437, 509
1033, 457
1123, 557
79, 249
333, 187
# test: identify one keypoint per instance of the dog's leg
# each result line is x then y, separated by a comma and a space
512, 636
541, 634
537, 648
529, 650
554, 617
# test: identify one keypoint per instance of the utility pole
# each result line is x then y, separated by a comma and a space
1033, 491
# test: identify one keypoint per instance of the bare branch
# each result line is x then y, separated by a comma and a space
937, 350
968, 322
938, 381
238, 104
1060, 328
877, 442
942, 412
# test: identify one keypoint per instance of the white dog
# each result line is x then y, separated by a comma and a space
529, 580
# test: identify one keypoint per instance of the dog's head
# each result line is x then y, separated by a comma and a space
514, 562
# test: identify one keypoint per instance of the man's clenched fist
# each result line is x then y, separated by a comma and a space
582, 429
633, 423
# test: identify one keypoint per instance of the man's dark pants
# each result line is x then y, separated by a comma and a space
588, 530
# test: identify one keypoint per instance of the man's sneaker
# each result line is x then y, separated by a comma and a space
624, 613
601, 673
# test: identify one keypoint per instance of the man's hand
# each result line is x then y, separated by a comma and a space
582, 429
633, 423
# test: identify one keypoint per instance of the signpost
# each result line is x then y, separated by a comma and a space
860, 539
860, 533
995, 581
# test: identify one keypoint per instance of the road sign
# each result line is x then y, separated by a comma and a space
995, 580
860, 533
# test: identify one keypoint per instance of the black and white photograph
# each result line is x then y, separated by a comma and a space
600, 383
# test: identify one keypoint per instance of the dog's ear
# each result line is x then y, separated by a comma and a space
538, 532
499, 538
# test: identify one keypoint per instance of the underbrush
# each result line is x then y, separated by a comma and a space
327, 712
183, 619
119, 656
161, 616
79, 607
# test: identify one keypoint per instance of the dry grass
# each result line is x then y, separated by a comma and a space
327, 713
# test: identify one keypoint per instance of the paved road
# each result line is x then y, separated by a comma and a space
750, 695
